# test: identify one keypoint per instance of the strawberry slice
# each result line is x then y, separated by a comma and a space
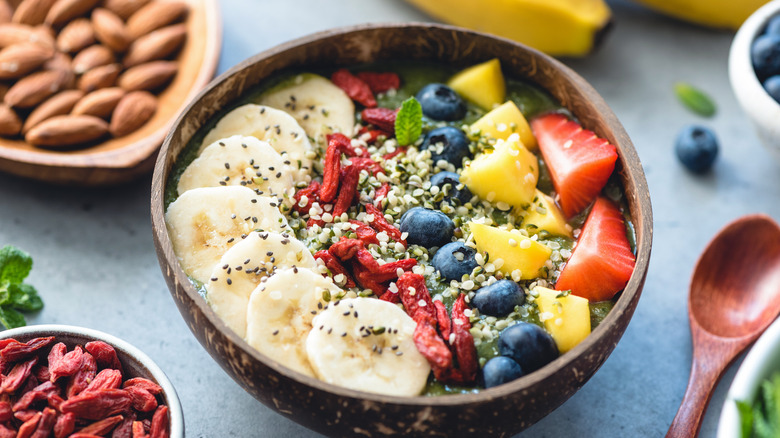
580, 163
602, 261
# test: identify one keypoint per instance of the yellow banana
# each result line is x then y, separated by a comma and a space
712, 13
556, 27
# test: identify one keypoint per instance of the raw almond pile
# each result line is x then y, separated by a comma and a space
73, 72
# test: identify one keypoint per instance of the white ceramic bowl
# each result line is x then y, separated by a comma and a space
763, 111
135, 362
760, 363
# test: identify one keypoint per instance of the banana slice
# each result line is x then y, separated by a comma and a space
319, 106
244, 266
203, 223
274, 126
280, 315
367, 344
244, 161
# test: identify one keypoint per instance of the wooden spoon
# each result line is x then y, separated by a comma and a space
734, 296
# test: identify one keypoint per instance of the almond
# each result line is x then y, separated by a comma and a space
6, 11
103, 76
62, 63
154, 16
76, 35
67, 130
124, 8
20, 59
35, 88
57, 105
110, 30
14, 33
156, 45
10, 123
148, 76
132, 112
99, 103
32, 12
65, 10
91, 57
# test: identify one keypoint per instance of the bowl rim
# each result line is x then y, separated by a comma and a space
643, 227
171, 397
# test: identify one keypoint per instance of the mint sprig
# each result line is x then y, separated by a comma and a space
408, 122
761, 419
15, 295
695, 99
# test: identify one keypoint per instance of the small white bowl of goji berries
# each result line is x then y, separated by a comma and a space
61, 380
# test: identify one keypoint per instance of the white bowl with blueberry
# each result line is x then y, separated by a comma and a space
754, 71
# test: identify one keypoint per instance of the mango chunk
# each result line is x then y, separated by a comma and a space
507, 173
482, 84
544, 215
523, 258
566, 318
504, 121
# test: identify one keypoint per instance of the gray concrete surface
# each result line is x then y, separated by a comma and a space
95, 263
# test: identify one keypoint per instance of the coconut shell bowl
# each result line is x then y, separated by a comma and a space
335, 411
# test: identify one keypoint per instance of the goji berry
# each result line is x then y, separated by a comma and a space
345, 248
104, 354
57, 352
356, 88
83, 376
381, 192
160, 423
84, 435
40, 392
367, 164
55, 401
332, 168
390, 296
379, 223
14, 352
64, 425
348, 190
25, 414
416, 298
312, 222
18, 375
366, 280
95, 405
382, 118
101, 427
459, 311
143, 400
365, 233
5, 432
380, 82
125, 428
105, 379
139, 431
335, 267
398, 151
389, 271
465, 352
41, 372
443, 320
66, 365
432, 347
45, 424
370, 136
6, 413
143, 383
312, 195
28, 427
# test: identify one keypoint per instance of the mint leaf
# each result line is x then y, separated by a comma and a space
695, 99
24, 297
10, 318
15, 264
408, 122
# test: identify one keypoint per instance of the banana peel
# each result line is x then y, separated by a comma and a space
556, 27
728, 14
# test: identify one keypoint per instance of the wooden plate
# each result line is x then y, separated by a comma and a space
122, 159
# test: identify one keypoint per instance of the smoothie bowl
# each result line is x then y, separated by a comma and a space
403, 229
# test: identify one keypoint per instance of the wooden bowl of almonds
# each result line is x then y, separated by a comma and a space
88, 88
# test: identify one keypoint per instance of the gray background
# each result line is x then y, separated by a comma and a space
95, 263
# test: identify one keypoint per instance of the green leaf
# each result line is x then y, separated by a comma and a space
24, 297
695, 99
745, 417
408, 122
15, 264
11, 318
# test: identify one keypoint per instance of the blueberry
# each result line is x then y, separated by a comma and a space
499, 298
426, 227
772, 86
773, 27
447, 143
440, 102
697, 148
463, 195
765, 54
528, 344
454, 260
500, 370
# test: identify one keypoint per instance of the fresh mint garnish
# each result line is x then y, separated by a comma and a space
695, 99
408, 122
15, 295
762, 418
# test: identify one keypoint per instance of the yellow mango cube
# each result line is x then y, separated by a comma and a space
482, 84
544, 215
566, 318
507, 173
504, 121
522, 257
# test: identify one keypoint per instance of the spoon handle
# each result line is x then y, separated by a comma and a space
706, 371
